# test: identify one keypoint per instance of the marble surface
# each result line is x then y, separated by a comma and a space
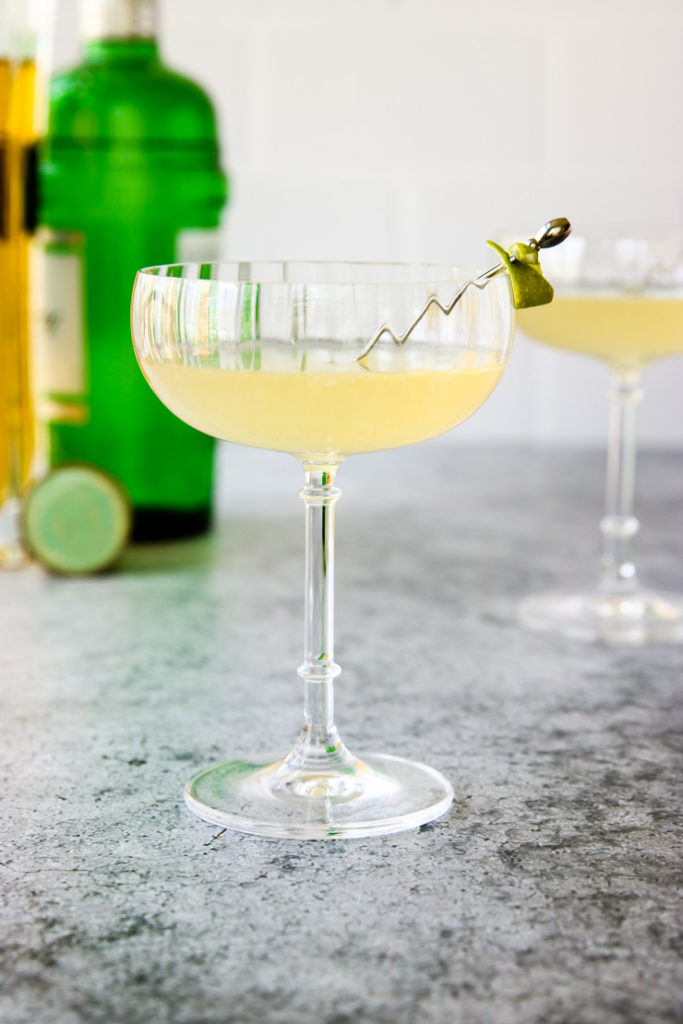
549, 895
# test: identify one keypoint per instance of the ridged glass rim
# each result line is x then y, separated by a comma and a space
292, 272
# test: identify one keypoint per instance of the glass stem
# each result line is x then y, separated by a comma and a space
619, 526
319, 746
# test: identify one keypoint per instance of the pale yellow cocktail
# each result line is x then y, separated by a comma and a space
326, 413
626, 330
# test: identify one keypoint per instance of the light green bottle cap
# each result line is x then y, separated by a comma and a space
76, 520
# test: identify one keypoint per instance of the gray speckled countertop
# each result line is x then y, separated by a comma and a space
549, 894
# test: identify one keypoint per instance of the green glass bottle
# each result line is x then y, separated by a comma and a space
129, 176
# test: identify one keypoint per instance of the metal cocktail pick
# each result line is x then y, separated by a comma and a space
552, 233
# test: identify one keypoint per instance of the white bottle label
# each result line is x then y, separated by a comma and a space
59, 334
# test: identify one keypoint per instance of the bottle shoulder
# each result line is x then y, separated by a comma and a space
132, 101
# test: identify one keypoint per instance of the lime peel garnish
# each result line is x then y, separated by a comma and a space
520, 261
529, 286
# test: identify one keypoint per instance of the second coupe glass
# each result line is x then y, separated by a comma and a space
619, 297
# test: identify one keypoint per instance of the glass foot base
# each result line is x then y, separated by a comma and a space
642, 617
374, 797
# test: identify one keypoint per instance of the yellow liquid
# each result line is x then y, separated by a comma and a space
625, 330
322, 415
5, 284
17, 132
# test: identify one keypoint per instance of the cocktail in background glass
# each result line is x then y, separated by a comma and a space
277, 355
619, 298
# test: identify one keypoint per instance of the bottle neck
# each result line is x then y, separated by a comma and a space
109, 20
121, 52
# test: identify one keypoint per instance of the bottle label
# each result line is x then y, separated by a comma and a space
198, 245
59, 335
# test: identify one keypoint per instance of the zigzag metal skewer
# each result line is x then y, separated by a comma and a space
479, 281
552, 233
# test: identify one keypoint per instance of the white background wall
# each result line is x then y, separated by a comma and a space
415, 129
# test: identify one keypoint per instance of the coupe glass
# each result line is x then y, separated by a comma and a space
618, 297
279, 356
